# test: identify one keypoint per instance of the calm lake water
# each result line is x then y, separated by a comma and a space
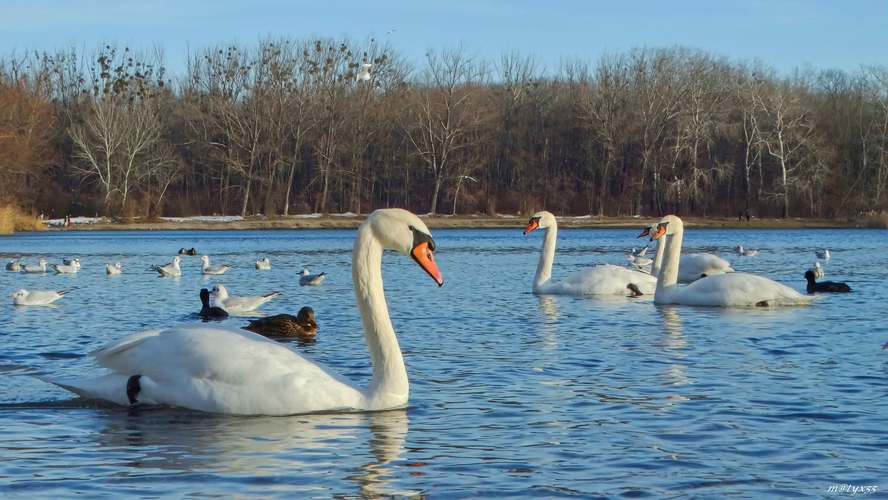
512, 395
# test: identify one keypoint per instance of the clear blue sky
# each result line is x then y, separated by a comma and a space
841, 34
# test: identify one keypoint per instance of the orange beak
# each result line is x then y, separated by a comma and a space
423, 256
533, 224
661, 230
646, 232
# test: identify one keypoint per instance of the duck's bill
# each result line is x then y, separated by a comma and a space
422, 254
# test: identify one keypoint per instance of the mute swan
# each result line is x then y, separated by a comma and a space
39, 268
229, 370
207, 312
745, 253
37, 297
235, 304
822, 254
824, 286
817, 271
306, 278
691, 266
117, 268
605, 279
208, 269
171, 269
264, 264
720, 290
286, 325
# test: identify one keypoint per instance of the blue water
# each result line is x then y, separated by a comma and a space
512, 395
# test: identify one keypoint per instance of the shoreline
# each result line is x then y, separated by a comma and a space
444, 222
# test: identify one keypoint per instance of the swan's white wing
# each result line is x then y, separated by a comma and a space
606, 279
738, 290
216, 369
691, 266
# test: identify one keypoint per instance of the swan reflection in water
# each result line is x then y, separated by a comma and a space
674, 343
291, 450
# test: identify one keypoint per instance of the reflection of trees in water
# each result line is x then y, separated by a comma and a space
290, 449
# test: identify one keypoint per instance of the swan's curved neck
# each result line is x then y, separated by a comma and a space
658, 256
389, 384
669, 272
547, 258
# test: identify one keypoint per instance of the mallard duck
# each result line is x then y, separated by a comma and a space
286, 325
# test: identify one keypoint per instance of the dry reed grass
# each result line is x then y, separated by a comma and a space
14, 219
875, 219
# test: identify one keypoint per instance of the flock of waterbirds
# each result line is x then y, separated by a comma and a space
219, 368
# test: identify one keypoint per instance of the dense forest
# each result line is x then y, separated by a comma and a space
334, 125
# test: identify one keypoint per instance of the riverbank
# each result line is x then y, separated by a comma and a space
352, 221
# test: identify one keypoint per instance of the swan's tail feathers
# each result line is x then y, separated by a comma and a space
110, 387
105, 355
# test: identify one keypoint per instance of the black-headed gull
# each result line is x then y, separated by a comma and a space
171, 269
745, 253
37, 297
39, 268
822, 254
66, 268
208, 312
817, 271
639, 261
263, 264
115, 268
235, 304
13, 265
208, 269
72, 262
639, 253
306, 278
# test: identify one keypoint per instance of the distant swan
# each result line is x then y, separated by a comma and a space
720, 290
691, 266
605, 279
229, 370
824, 286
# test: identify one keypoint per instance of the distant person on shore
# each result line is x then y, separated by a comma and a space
748, 216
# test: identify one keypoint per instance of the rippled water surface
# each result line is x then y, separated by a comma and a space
512, 395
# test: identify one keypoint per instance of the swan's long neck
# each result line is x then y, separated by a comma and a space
669, 272
389, 382
547, 258
658, 256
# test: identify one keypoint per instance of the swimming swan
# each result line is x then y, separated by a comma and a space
721, 290
229, 370
606, 279
691, 266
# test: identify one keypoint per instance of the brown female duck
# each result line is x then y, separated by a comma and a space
286, 325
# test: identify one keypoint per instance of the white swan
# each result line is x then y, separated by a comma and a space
116, 268
306, 278
824, 254
264, 264
235, 304
228, 370
720, 290
208, 269
36, 298
605, 279
817, 271
171, 269
691, 266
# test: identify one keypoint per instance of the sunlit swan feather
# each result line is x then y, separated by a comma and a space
721, 290
690, 266
229, 370
605, 279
